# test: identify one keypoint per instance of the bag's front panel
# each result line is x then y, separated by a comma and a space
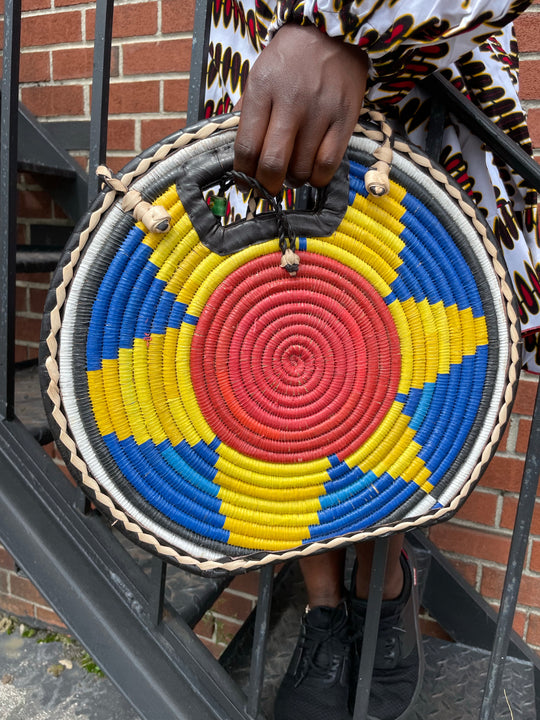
232, 414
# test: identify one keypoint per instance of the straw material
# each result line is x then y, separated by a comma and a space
229, 415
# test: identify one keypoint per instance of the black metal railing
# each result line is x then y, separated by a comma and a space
114, 605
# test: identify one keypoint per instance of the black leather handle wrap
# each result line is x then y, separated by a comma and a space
207, 169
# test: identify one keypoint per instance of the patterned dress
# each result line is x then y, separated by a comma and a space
471, 42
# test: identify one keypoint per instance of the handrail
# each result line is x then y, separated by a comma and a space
499, 143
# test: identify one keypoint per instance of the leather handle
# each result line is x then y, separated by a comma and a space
208, 168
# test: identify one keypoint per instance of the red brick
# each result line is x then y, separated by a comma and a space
6, 561
37, 278
233, 606
225, 631
58, 27
503, 473
520, 618
16, 606
492, 585
480, 507
134, 97
128, 20
37, 300
66, 3
72, 63
524, 430
116, 163
27, 329
529, 80
4, 581
121, 134
58, 213
28, 5
54, 100
35, 67
468, 570
177, 16
533, 122
21, 299
21, 353
205, 627
175, 95
471, 542
23, 588
492, 582
535, 556
526, 393
34, 204
82, 160
246, 583
153, 131
49, 618
508, 515
533, 630
528, 32
22, 234
503, 442
32, 353
157, 57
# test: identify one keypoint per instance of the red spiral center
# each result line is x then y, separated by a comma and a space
295, 369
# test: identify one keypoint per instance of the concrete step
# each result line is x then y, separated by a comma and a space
45, 681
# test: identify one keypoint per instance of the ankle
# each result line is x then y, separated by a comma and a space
324, 600
392, 588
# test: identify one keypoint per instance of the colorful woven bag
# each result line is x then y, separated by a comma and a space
226, 413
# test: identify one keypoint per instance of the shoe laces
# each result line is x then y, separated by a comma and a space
390, 631
329, 644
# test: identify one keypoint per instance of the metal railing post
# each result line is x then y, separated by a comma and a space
100, 92
516, 559
199, 60
8, 193
369, 641
260, 637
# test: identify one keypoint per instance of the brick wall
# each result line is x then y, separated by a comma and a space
148, 98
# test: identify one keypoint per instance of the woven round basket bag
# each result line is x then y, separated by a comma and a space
235, 391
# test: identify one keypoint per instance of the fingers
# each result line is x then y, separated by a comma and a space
264, 147
278, 145
331, 151
251, 134
299, 108
311, 153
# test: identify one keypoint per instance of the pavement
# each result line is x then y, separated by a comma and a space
47, 677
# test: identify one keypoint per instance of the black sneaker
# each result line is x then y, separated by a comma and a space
399, 658
316, 684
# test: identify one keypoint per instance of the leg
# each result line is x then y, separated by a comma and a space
323, 577
393, 582
316, 684
398, 665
